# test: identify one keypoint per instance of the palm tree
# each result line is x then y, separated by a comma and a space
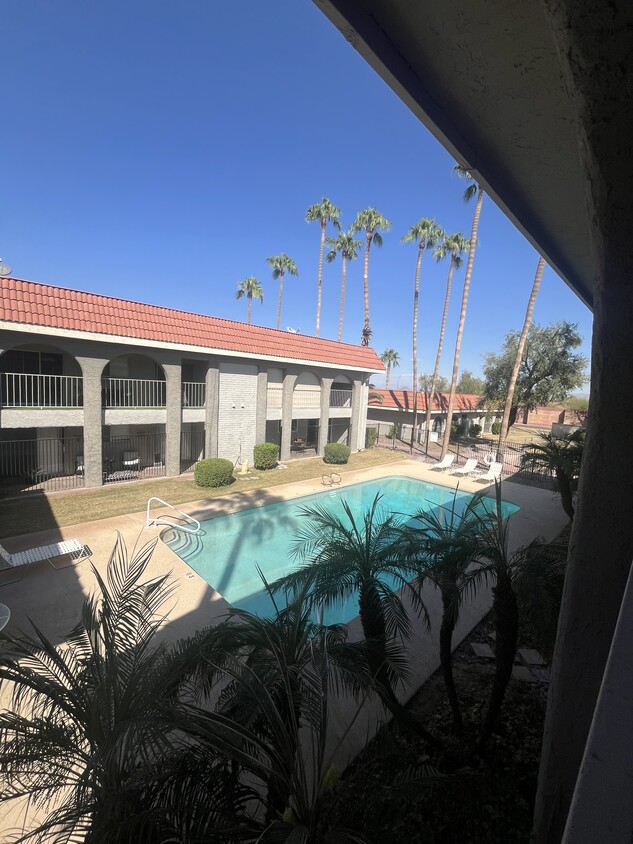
348, 247
323, 212
281, 264
448, 539
343, 556
505, 422
528, 581
562, 456
425, 233
370, 221
391, 359
87, 732
454, 245
472, 190
252, 289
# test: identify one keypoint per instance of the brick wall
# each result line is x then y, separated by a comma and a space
237, 411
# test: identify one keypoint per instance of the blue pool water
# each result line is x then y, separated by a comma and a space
229, 548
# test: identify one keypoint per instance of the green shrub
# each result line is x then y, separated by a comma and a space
391, 433
474, 431
371, 435
214, 471
336, 453
265, 455
495, 428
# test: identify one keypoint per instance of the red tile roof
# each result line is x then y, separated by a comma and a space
403, 400
30, 303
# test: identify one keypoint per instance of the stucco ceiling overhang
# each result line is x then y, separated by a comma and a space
484, 77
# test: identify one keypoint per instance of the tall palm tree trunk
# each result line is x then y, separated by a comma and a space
446, 658
366, 278
374, 631
506, 615
438, 357
343, 282
462, 320
249, 308
416, 296
320, 278
505, 422
387, 375
281, 291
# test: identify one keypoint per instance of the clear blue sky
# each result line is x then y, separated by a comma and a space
161, 151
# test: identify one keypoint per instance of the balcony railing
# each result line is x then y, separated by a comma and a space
340, 398
307, 399
19, 389
133, 392
193, 393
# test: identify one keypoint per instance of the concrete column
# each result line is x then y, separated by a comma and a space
286, 413
354, 422
211, 410
92, 371
326, 386
173, 418
262, 405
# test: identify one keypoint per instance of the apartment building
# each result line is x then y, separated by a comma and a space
97, 390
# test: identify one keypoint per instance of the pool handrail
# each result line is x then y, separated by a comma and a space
162, 518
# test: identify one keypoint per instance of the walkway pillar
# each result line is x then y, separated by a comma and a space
286, 413
324, 419
173, 417
92, 371
211, 410
262, 405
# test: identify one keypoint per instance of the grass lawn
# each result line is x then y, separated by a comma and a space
31, 513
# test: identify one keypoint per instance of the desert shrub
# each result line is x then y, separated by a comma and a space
265, 455
474, 431
371, 435
214, 471
391, 433
336, 453
495, 428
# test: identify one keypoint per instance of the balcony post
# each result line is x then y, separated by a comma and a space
211, 410
324, 418
173, 417
262, 405
92, 370
355, 419
290, 379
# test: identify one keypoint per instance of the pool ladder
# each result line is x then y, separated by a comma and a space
192, 525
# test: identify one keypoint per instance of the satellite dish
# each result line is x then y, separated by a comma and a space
5, 269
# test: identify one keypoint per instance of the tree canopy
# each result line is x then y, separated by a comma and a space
441, 385
470, 384
549, 370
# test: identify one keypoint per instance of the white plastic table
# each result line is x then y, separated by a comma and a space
5, 615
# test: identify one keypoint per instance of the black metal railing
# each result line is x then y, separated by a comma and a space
191, 449
41, 465
133, 457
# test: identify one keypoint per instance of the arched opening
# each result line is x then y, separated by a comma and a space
341, 392
133, 381
306, 412
41, 439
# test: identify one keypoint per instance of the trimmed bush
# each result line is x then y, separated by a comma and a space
371, 435
495, 428
214, 471
336, 453
474, 431
265, 456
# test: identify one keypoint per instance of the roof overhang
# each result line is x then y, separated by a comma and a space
484, 77
66, 333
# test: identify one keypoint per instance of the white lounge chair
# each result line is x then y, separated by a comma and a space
493, 473
445, 463
469, 466
73, 548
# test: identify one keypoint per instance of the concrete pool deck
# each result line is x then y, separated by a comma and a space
53, 597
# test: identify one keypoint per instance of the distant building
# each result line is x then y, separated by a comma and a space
396, 407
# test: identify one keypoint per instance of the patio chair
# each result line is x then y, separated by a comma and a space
493, 473
72, 549
131, 461
469, 466
445, 463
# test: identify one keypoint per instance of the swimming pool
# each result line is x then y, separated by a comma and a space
230, 548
